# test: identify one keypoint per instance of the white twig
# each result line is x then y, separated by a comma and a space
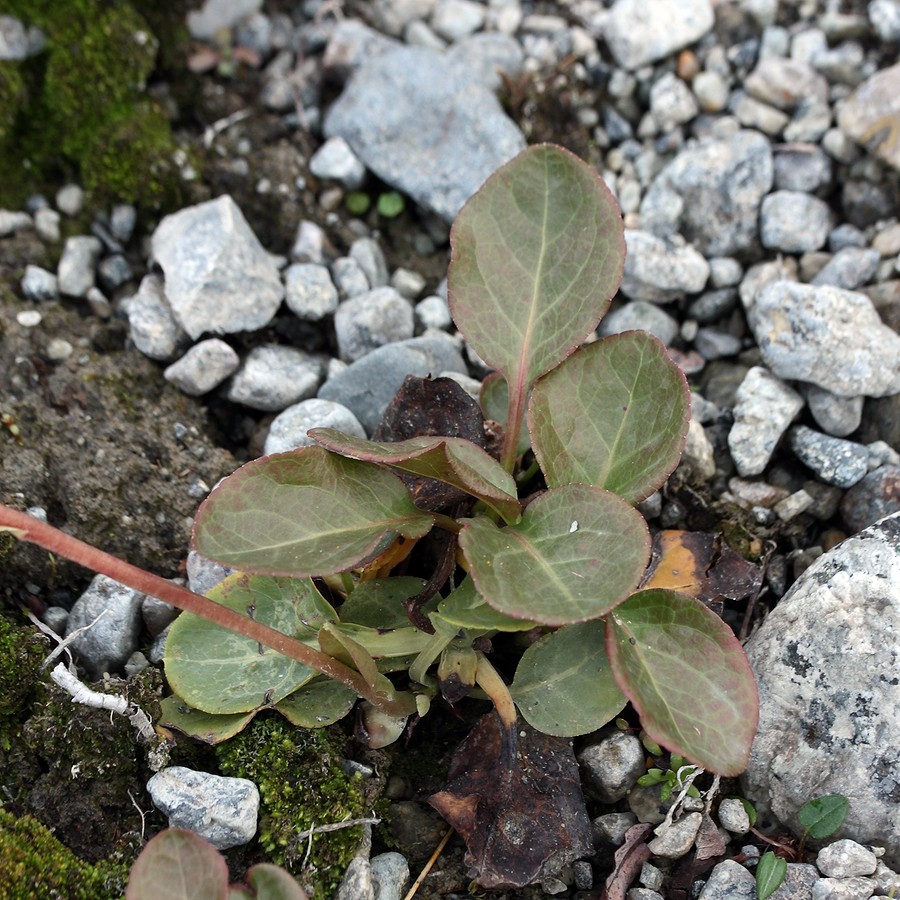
140, 813
62, 643
685, 781
81, 693
220, 125
335, 826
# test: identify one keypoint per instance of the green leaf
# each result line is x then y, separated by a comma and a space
614, 414
494, 400
536, 255
452, 460
824, 815
770, 872
466, 608
206, 727
305, 512
390, 204
564, 685
687, 676
750, 809
271, 882
179, 865
217, 671
577, 552
379, 603
319, 703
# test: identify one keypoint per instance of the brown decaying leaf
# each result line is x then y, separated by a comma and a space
699, 564
628, 858
515, 798
709, 842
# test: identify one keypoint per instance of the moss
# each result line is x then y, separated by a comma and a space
80, 107
34, 865
301, 785
22, 651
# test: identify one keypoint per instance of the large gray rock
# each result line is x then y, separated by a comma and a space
218, 277
639, 32
423, 125
870, 115
827, 336
826, 661
660, 270
711, 193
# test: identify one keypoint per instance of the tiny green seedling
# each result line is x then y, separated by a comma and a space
672, 779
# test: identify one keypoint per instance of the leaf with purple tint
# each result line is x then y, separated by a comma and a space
451, 460
180, 865
687, 676
614, 414
578, 551
305, 512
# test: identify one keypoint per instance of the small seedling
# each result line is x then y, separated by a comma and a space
672, 779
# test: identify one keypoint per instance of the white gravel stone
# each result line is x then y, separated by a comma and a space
368, 254
455, 19
369, 321
70, 200
827, 336
309, 292
46, 223
204, 367
151, 325
349, 277
764, 408
733, 816
794, 222
222, 810
834, 460
612, 767
729, 880
335, 160
274, 377
846, 858
288, 429
678, 839
433, 312
78, 264
659, 270
39, 285
218, 277
843, 889
837, 416
671, 102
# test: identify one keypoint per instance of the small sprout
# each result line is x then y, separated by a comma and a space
390, 204
357, 203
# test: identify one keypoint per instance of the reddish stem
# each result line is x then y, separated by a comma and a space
28, 528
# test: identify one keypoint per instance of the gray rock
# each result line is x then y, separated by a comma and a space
698, 457
114, 271
157, 614
309, 292
794, 222
834, 460
335, 160
711, 91
733, 816
887, 881
122, 220
369, 321
828, 336
639, 314
454, 20
793, 505
846, 235
222, 810
274, 377
13, 39
612, 767
870, 112
874, 496
368, 254
660, 270
433, 312
826, 661
421, 125
407, 283
799, 879
643, 894
837, 416
678, 838
11, 222
351, 45
349, 277
843, 889
218, 277
77, 265
885, 18
485, 57
712, 343
849, 268
151, 325
639, 32
111, 614
671, 102
204, 367
70, 200
390, 874
288, 428
725, 272
39, 285
205, 23
204, 574
846, 858
801, 167
357, 881
729, 880
753, 113
764, 408
711, 192
784, 82
46, 223
611, 828
309, 243
367, 386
